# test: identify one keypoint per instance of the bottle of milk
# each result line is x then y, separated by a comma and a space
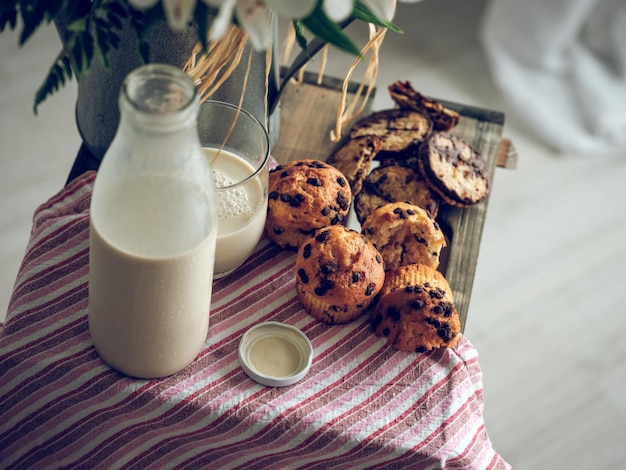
153, 230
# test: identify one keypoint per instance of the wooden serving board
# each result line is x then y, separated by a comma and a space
308, 113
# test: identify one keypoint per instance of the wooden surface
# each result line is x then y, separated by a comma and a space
308, 113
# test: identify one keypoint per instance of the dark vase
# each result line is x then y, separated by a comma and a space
97, 113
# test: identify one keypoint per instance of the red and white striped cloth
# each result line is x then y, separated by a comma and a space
362, 405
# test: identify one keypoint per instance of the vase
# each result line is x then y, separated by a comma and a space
97, 113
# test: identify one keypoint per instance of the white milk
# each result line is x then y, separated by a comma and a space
241, 211
150, 277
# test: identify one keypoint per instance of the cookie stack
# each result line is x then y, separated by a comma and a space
420, 160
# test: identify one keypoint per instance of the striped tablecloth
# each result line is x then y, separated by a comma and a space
362, 405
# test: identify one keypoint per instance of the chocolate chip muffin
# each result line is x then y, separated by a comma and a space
415, 274
453, 169
395, 183
417, 318
305, 195
339, 272
404, 234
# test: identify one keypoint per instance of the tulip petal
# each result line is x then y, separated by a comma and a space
179, 12
296, 9
338, 10
143, 4
253, 16
383, 9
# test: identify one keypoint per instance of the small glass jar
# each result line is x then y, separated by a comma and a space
153, 229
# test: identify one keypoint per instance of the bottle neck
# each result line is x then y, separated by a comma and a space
158, 99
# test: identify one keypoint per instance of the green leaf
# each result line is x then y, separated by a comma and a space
55, 79
321, 26
299, 30
8, 17
362, 12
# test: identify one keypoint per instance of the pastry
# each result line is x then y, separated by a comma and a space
339, 272
454, 170
406, 97
400, 131
404, 234
354, 159
305, 195
417, 318
415, 274
395, 183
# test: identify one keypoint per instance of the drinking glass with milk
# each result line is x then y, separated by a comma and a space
237, 149
153, 230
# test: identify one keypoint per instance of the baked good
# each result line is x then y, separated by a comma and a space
404, 234
415, 274
339, 272
400, 130
417, 318
406, 97
304, 195
354, 159
454, 170
395, 183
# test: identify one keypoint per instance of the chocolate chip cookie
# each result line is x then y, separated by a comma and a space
406, 97
354, 159
395, 183
454, 170
400, 130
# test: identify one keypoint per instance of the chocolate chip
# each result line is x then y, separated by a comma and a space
433, 322
416, 304
326, 211
306, 251
341, 181
303, 276
285, 197
342, 200
314, 181
322, 236
437, 293
400, 213
445, 333
296, 200
276, 168
284, 173
273, 195
370, 289
356, 277
386, 331
328, 268
379, 259
393, 313
411, 212
437, 309
278, 231
420, 349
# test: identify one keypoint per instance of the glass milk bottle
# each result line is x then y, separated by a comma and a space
153, 229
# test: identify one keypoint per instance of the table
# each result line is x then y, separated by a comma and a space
362, 405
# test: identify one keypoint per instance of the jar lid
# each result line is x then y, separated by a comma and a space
275, 354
